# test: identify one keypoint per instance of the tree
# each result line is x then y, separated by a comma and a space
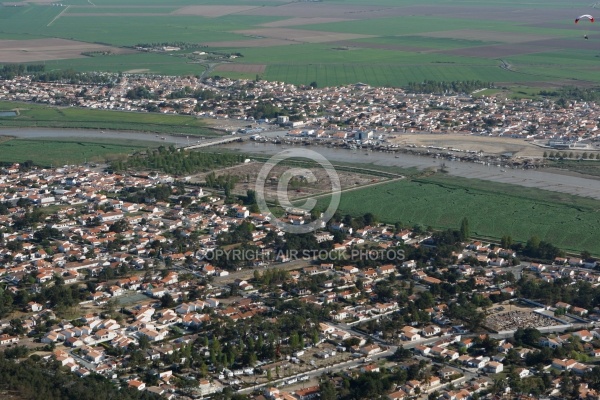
506, 242
401, 354
110, 306
434, 396
369, 219
144, 342
167, 301
315, 337
465, 231
586, 255
532, 246
530, 336
327, 390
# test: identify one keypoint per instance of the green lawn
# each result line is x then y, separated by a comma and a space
57, 152
493, 209
32, 115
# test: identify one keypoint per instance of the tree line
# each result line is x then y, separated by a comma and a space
36, 380
172, 161
10, 71
569, 93
38, 73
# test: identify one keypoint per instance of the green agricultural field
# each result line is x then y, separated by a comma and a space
382, 75
129, 30
424, 41
32, 115
151, 63
379, 42
409, 25
325, 54
493, 209
120, 10
56, 152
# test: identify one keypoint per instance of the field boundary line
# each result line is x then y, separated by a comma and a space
58, 16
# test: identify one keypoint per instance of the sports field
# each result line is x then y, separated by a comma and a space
494, 209
380, 42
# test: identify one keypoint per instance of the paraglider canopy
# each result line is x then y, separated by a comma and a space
585, 16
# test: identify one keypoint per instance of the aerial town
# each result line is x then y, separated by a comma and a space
162, 287
560, 125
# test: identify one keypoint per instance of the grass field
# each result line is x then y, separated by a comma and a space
410, 25
383, 75
57, 152
120, 10
33, 115
569, 222
426, 42
147, 62
407, 41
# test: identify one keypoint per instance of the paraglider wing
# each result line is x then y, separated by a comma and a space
585, 16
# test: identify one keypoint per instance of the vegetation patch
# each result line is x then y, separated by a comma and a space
57, 152
32, 115
495, 209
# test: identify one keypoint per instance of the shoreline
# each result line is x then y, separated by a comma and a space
545, 178
552, 179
